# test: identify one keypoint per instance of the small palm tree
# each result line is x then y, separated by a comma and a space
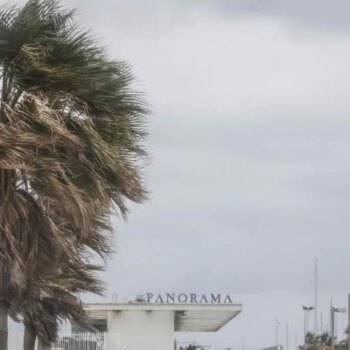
52, 297
316, 342
71, 146
46, 307
194, 347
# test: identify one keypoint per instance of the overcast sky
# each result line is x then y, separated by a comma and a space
250, 171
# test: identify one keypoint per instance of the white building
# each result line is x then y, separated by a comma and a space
142, 325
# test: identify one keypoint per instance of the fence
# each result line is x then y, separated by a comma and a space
74, 341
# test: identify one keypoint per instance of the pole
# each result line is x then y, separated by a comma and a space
349, 321
277, 323
105, 341
332, 327
296, 341
307, 309
316, 296
287, 337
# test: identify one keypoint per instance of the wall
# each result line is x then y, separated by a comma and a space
143, 330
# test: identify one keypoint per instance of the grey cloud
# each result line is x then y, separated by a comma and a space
324, 14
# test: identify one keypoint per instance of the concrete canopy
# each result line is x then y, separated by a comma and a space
188, 317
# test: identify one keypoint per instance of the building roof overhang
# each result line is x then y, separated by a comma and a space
188, 317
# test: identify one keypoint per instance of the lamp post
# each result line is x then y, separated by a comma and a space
306, 309
277, 341
349, 321
335, 310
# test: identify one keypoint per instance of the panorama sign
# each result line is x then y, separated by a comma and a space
188, 298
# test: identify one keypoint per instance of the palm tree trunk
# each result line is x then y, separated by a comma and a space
44, 345
29, 338
3, 326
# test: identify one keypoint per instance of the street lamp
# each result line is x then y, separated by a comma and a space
349, 321
306, 309
277, 341
335, 310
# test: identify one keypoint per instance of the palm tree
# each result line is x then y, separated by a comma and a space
71, 144
316, 342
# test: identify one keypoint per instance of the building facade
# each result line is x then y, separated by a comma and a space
145, 325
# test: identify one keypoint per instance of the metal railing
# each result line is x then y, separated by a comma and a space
87, 341
74, 341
